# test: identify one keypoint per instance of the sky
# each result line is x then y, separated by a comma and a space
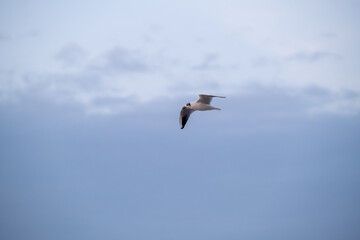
90, 142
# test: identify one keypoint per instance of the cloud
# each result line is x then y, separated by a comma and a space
321, 100
313, 56
119, 60
316, 91
109, 83
337, 103
120, 79
102, 92
71, 54
300, 57
273, 46
209, 62
97, 93
212, 62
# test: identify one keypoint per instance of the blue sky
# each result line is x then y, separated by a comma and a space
91, 147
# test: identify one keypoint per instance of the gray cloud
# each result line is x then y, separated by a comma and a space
321, 100
32, 33
119, 60
209, 63
104, 84
313, 56
71, 54
266, 62
302, 56
316, 91
351, 94
121, 78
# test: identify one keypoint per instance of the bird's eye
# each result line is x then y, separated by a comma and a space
188, 104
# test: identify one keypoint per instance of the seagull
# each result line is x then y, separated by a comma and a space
202, 104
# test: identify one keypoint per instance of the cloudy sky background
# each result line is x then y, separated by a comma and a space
90, 94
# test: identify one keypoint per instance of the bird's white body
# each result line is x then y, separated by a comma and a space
202, 104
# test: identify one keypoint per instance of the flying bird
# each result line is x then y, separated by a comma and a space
202, 104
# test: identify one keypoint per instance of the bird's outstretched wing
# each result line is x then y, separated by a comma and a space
206, 99
184, 116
